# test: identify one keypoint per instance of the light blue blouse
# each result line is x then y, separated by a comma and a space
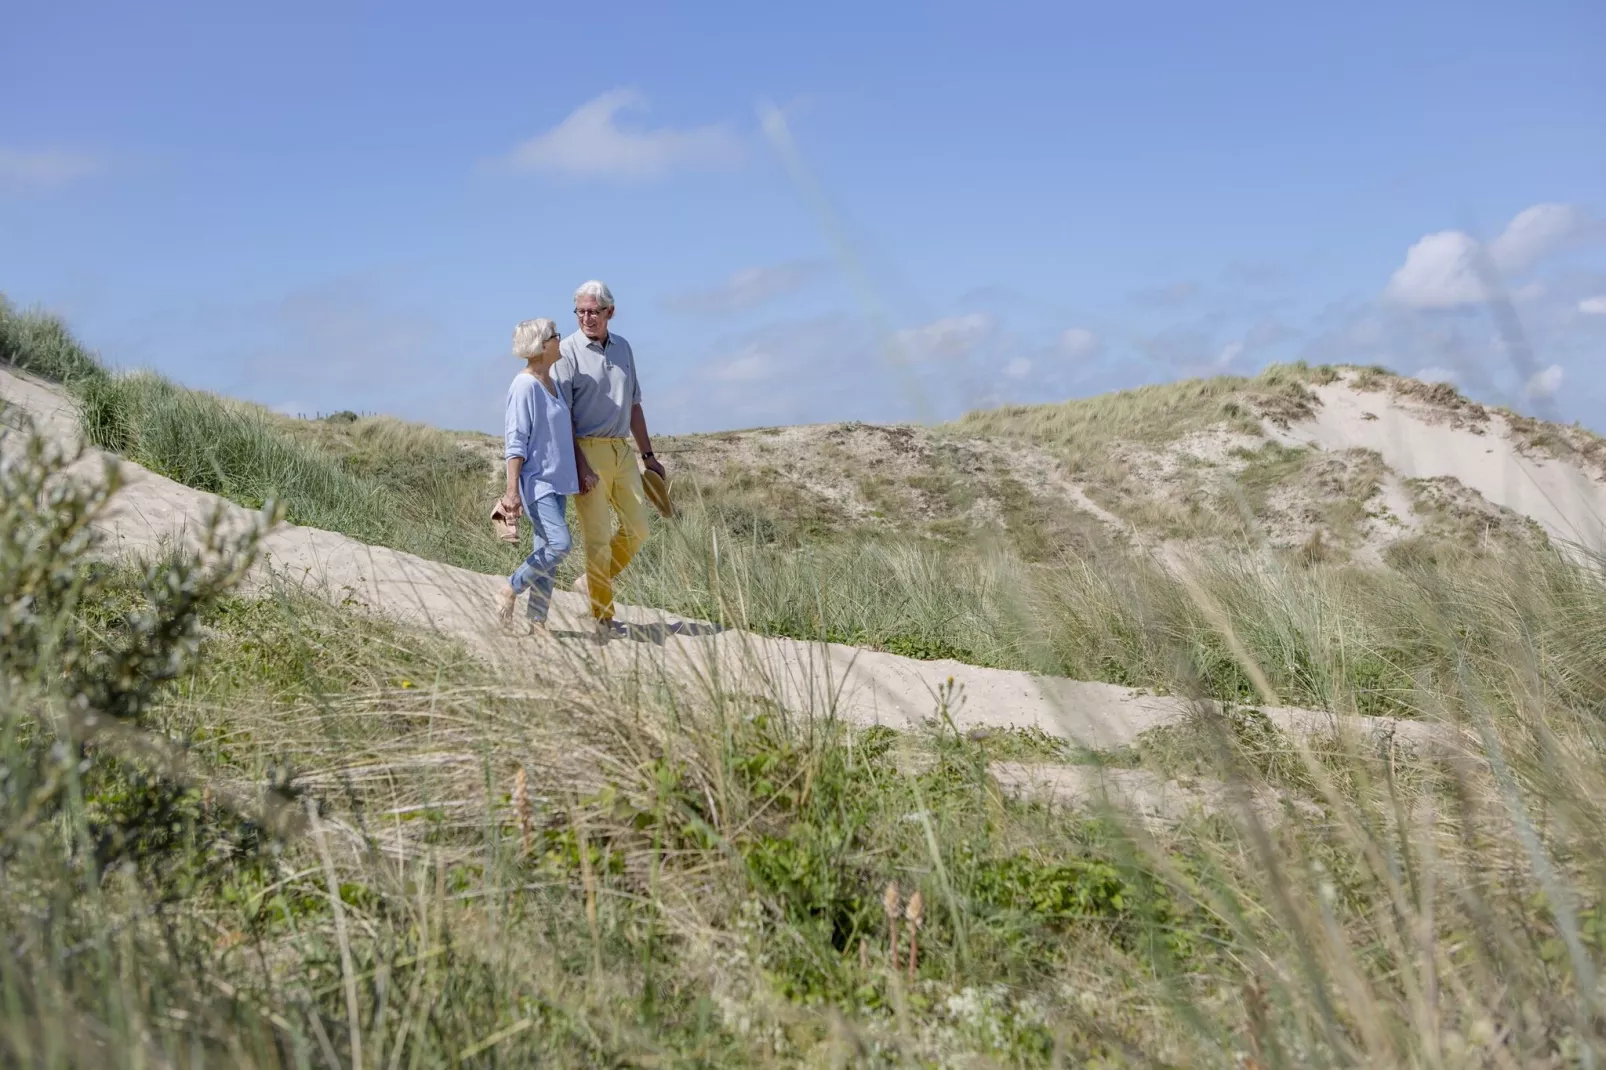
538, 428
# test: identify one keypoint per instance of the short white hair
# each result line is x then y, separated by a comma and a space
596, 289
531, 336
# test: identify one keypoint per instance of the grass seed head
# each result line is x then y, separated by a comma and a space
915, 912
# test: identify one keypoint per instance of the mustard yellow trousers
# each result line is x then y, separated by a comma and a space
618, 490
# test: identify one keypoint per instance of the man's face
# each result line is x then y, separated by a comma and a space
593, 320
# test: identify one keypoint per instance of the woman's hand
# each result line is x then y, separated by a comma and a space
510, 503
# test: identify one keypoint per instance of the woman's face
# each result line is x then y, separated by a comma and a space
549, 351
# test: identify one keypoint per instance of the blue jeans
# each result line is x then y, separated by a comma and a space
551, 546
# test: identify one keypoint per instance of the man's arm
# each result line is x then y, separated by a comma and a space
638, 428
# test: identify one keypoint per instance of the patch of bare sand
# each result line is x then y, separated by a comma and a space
152, 514
1421, 440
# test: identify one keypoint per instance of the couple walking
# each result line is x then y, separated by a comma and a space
571, 415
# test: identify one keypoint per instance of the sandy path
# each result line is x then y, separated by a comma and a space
1417, 443
867, 687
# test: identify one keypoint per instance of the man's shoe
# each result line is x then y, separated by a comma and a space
607, 628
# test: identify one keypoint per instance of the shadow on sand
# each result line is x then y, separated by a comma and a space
657, 634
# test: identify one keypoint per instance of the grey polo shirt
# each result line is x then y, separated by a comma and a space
599, 382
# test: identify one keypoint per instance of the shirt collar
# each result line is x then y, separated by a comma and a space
592, 343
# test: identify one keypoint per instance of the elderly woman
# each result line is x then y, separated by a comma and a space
541, 468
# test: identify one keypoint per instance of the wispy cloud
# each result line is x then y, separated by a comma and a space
752, 365
44, 168
1172, 296
748, 288
1079, 343
1255, 272
594, 142
1538, 232
950, 338
1593, 306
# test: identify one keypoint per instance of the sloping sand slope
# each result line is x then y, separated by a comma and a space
867, 687
1420, 442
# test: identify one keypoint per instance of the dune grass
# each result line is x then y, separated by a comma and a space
1088, 615
314, 838
1084, 428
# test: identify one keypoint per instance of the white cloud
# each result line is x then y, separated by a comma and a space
748, 288
1593, 306
42, 168
1441, 270
1544, 384
749, 366
1535, 233
1435, 374
1018, 368
1438, 273
1079, 343
949, 338
593, 143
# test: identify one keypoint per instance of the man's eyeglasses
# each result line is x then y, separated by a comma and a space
584, 312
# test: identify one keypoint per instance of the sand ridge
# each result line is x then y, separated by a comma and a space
1416, 442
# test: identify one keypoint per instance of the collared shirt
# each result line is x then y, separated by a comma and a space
537, 428
598, 380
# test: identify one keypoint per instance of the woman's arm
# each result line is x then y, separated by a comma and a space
517, 426
510, 499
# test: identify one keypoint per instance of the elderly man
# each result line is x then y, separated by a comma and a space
596, 373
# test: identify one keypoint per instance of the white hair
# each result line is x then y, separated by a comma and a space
531, 336
596, 289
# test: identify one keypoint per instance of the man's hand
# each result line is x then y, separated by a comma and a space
655, 465
588, 479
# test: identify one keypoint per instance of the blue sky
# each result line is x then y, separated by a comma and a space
327, 206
